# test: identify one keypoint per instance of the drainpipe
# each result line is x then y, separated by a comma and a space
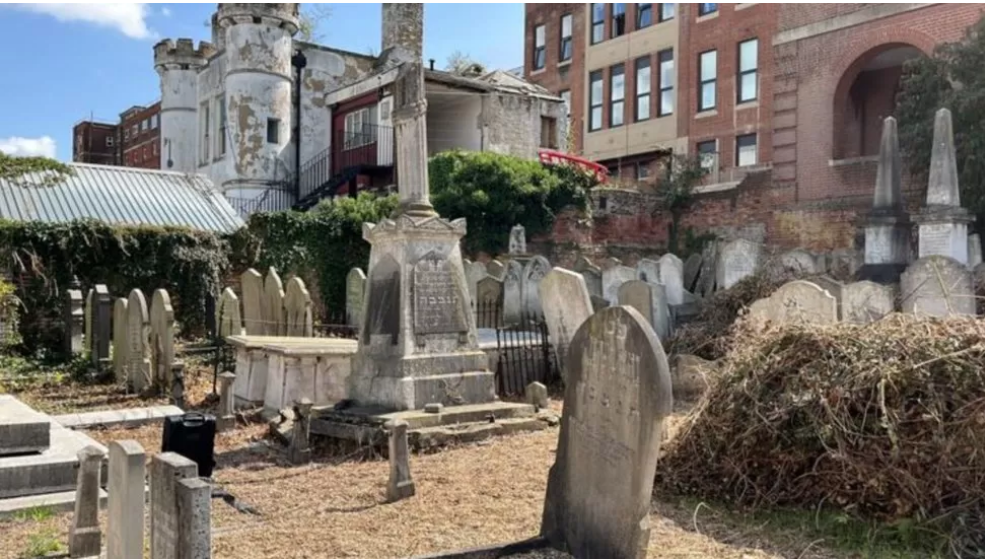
299, 61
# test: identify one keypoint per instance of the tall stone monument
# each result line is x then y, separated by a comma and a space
943, 222
418, 343
887, 226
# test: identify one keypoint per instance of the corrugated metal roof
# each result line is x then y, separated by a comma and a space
120, 196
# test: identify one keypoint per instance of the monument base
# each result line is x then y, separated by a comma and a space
413, 382
943, 231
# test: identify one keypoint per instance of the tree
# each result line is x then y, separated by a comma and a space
676, 192
462, 64
950, 78
310, 20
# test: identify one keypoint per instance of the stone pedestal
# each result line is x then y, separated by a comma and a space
887, 247
944, 232
418, 341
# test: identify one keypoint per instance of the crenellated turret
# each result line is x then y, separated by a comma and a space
177, 64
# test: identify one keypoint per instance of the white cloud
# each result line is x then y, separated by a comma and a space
129, 19
165, 12
44, 146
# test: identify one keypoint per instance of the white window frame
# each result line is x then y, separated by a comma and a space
742, 96
754, 151
359, 129
109, 141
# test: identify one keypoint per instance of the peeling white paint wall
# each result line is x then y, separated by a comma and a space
178, 119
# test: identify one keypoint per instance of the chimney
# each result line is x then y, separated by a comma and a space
403, 30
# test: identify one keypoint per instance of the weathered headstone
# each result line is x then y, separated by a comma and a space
194, 497
355, 296
251, 284
166, 471
228, 319
536, 395
90, 312
937, 286
612, 279
297, 310
943, 223
299, 450
84, 538
273, 304
489, 303
798, 262
797, 302
567, 305
138, 336
101, 327
496, 269
592, 275
599, 303
74, 322
834, 287
438, 307
513, 293
708, 275
974, 250
533, 274
672, 278
474, 273
518, 241
863, 302
648, 270
125, 517
650, 300
843, 264
887, 226
227, 406
161, 338
400, 486
737, 260
691, 268
121, 359
600, 486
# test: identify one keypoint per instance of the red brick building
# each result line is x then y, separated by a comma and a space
140, 128
785, 102
95, 142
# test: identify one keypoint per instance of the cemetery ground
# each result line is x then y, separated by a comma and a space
471, 495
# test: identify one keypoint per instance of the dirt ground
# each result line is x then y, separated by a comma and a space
480, 494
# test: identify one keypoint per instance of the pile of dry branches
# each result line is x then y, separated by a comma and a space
885, 420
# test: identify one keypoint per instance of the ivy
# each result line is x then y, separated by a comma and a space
14, 168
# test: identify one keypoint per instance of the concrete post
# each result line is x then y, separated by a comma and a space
401, 486
125, 520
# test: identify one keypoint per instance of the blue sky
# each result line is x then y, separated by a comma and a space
62, 62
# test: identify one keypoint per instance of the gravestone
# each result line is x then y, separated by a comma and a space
355, 294
798, 262
937, 286
400, 486
797, 302
102, 323
475, 272
518, 241
707, 277
648, 270
887, 226
844, 264
489, 303
533, 274
251, 285
599, 303
536, 395
672, 278
567, 305
161, 338
74, 322
273, 304
834, 287
297, 310
138, 336
617, 394
692, 266
513, 293
84, 537
90, 311
438, 308
166, 471
592, 275
496, 269
650, 300
228, 319
194, 497
125, 514
121, 358
974, 250
612, 279
943, 223
863, 302
737, 260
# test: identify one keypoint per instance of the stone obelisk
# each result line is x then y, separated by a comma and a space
417, 343
943, 222
887, 226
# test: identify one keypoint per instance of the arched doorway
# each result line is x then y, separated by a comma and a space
865, 96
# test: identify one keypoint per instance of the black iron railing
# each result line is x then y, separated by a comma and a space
370, 146
277, 197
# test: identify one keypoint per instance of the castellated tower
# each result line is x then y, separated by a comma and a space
178, 64
259, 44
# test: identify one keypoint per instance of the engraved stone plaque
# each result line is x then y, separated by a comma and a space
438, 307
383, 301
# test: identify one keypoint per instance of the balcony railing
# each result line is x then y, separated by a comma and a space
370, 146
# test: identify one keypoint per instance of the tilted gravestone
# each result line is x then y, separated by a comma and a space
797, 302
691, 268
617, 393
251, 284
650, 300
613, 278
592, 275
138, 336
937, 286
567, 306
799, 262
533, 273
228, 318
297, 310
355, 293
161, 337
273, 304
121, 358
85, 538
707, 276
737, 260
496, 269
863, 302
489, 303
513, 293
648, 270
672, 277
974, 250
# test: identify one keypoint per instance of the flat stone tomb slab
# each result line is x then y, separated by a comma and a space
317, 371
51, 471
22, 430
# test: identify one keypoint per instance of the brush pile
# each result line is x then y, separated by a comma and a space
885, 420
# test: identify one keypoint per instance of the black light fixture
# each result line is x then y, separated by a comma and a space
299, 61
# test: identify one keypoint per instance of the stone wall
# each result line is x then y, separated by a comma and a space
512, 123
